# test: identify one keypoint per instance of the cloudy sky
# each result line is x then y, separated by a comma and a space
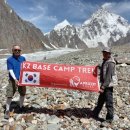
45, 14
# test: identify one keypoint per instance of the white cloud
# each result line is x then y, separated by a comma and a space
123, 7
38, 8
107, 5
36, 18
38, 15
80, 10
43, 22
120, 7
45, 14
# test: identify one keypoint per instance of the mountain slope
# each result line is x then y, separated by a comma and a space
62, 25
103, 28
14, 30
65, 36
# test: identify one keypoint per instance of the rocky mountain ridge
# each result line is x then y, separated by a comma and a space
14, 30
102, 29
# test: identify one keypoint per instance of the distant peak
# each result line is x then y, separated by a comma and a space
62, 25
101, 13
104, 16
102, 10
65, 21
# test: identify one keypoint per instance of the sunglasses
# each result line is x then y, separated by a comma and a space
17, 50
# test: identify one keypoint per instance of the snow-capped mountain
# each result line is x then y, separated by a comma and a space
65, 36
103, 28
62, 25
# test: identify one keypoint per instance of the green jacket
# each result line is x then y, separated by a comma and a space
108, 75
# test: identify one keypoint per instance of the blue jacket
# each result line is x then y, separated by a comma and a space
14, 63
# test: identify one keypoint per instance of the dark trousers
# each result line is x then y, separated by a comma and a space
105, 97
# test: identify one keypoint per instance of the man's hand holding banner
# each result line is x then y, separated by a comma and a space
59, 76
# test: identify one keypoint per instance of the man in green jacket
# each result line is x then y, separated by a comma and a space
108, 79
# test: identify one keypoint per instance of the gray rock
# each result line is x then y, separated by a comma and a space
33, 127
19, 127
53, 127
116, 117
53, 120
45, 102
43, 117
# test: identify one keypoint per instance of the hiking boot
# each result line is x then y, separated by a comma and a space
92, 115
21, 109
106, 123
97, 118
6, 115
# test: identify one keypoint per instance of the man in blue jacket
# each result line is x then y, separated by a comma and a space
13, 66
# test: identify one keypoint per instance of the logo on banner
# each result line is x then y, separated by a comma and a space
74, 82
32, 78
